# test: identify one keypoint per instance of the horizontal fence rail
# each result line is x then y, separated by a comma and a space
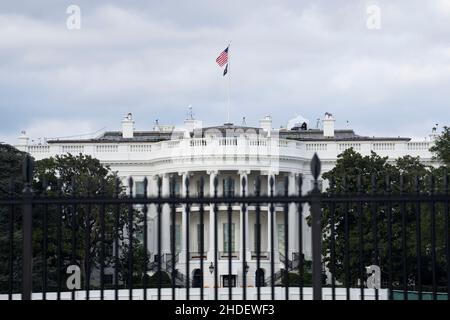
365, 237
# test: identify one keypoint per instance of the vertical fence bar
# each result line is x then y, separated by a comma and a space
403, 243
73, 216
258, 276
389, 236
172, 234
117, 188
333, 243
146, 257
316, 230
446, 235
216, 264
102, 244
87, 246
272, 247
130, 240
188, 218
27, 227
300, 236
346, 242
374, 209
286, 236
229, 217
202, 235
244, 241
433, 239
159, 217
418, 240
360, 237
11, 245
45, 241
59, 242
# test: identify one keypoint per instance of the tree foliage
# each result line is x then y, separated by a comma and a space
441, 147
88, 233
346, 254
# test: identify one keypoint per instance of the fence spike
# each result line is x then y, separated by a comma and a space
202, 186
315, 166
258, 186
145, 188
286, 185
130, 186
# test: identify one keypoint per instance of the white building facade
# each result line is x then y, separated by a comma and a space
228, 153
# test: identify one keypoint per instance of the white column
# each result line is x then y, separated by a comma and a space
293, 217
184, 225
210, 254
244, 174
165, 215
269, 221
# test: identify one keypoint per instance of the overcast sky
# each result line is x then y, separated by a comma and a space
287, 58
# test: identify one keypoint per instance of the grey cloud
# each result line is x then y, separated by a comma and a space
288, 57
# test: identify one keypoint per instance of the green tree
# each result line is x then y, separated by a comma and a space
80, 225
11, 183
369, 222
441, 147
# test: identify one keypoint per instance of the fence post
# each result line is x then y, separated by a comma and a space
27, 211
316, 230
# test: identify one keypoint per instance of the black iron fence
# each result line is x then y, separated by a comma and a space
388, 239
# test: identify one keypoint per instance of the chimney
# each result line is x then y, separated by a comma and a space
266, 124
23, 138
328, 125
191, 124
128, 127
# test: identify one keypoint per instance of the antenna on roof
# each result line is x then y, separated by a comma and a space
317, 123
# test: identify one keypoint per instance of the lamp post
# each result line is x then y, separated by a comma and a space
211, 268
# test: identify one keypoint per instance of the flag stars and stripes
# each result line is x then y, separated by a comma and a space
222, 59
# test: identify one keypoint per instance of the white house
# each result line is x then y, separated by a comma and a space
226, 151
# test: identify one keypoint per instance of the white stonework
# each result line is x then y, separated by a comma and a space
226, 151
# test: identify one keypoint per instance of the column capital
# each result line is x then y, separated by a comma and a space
269, 173
160, 175
244, 172
212, 172
185, 173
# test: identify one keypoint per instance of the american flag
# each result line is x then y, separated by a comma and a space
222, 59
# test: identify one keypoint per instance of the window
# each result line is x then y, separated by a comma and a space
279, 188
281, 244
175, 188
255, 236
228, 187
177, 238
226, 281
197, 185
225, 237
139, 189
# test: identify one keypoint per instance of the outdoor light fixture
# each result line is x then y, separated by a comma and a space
246, 267
211, 268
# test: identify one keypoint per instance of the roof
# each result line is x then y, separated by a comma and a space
339, 135
229, 130
116, 136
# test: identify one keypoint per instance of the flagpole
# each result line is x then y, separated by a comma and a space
229, 82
